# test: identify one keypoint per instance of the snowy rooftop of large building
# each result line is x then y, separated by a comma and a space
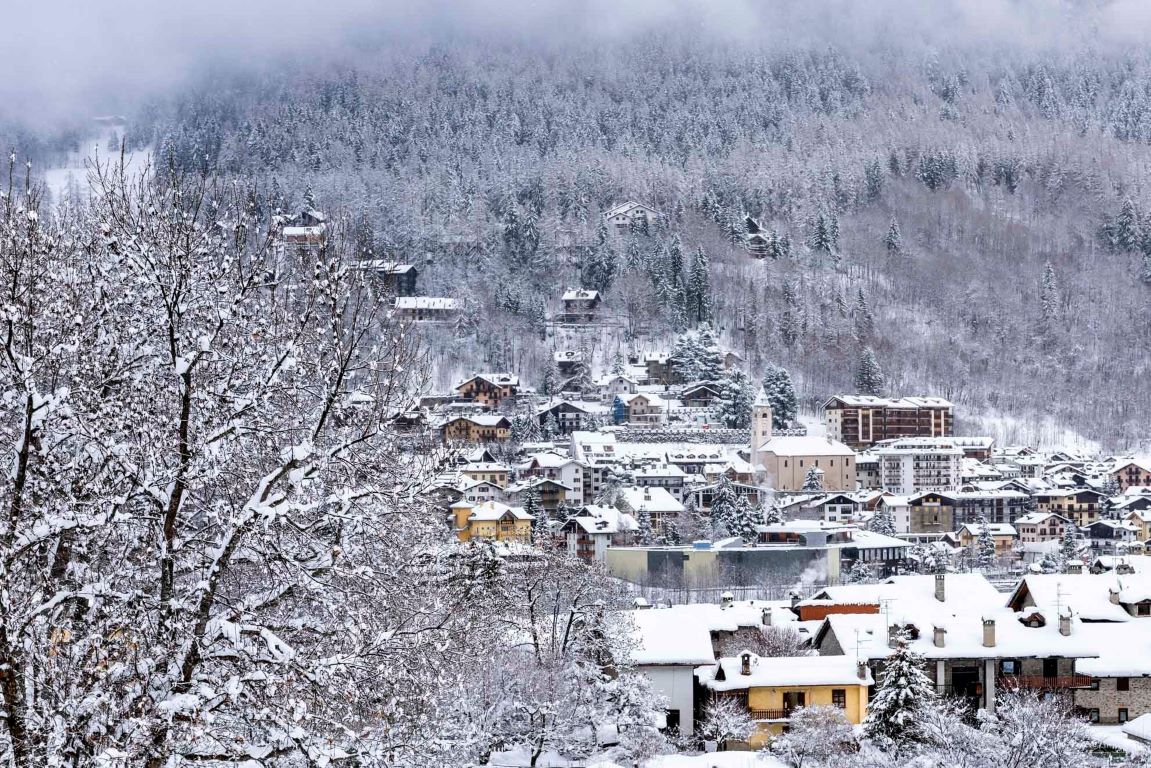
780, 671
806, 445
889, 402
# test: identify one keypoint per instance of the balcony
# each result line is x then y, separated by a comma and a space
1043, 682
771, 714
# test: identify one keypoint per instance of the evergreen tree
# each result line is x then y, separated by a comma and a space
1126, 229
869, 378
1069, 546
699, 288
859, 573
671, 534
542, 527
532, 507
905, 695
1048, 297
723, 502
645, 536
789, 320
737, 396
813, 481
772, 514
864, 319
1145, 268
694, 525
893, 240
552, 382
882, 522
780, 395
823, 234
985, 545
743, 522
548, 428
618, 364
873, 180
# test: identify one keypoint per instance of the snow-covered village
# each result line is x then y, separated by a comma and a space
539, 384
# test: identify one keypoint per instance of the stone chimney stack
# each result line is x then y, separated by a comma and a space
745, 663
861, 669
1113, 595
794, 600
726, 600
767, 617
940, 588
989, 633
939, 637
892, 636
1065, 624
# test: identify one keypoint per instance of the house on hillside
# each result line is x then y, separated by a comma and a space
476, 428
1131, 473
398, 279
621, 219
488, 389
580, 306
430, 309
491, 520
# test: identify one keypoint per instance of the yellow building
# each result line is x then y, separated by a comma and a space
1003, 534
491, 520
773, 688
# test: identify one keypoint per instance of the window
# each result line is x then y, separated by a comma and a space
1122, 683
1122, 714
1093, 715
1008, 667
839, 698
1144, 609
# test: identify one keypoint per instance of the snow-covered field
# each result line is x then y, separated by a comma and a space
519, 759
71, 177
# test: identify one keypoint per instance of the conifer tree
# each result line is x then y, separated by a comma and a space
552, 382
893, 240
699, 288
542, 526
863, 318
873, 180
882, 522
985, 545
743, 522
772, 514
813, 481
869, 378
780, 395
904, 697
789, 320
1069, 546
723, 503
737, 396
671, 534
1048, 297
859, 573
645, 535
532, 507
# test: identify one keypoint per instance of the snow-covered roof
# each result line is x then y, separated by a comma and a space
580, 294
1139, 728
627, 207
806, 445
996, 529
481, 419
663, 637
382, 265
870, 401
774, 672
493, 510
653, 499
601, 519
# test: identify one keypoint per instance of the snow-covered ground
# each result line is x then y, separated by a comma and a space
73, 174
1045, 434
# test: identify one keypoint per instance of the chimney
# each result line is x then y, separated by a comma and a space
1065, 624
794, 600
989, 633
1113, 595
726, 600
939, 637
892, 636
767, 617
940, 588
861, 669
745, 663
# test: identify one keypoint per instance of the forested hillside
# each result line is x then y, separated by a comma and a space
975, 214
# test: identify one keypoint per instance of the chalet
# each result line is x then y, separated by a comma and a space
591, 530
567, 416
640, 408
657, 502
488, 389
429, 309
1041, 527
772, 688
660, 369
551, 493
667, 476
562, 469
490, 471
1111, 535
755, 239
580, 306
481, 491
1002, 534
702, 394
398, 279
1132, 472
477, 428
491, 520
615, 384
568, 362
620, 219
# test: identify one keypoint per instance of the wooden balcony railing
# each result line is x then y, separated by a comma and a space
1043, 682
771, 714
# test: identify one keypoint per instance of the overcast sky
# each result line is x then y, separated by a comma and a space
69, 54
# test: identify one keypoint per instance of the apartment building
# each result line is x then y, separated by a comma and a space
861, 421
910, 465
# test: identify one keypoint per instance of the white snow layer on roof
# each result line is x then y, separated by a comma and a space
785, 671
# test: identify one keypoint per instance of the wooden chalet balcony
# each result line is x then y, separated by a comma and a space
1043, 682
771, 714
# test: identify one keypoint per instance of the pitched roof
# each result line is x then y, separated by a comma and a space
785, 671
